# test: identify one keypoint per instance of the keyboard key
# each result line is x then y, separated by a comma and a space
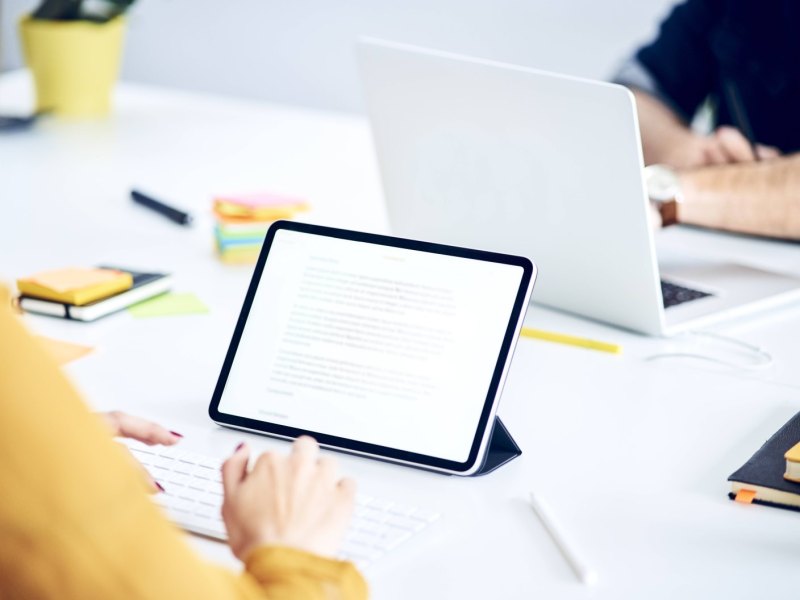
380, 505
399, 523
204, 511
142, 450
399, 510
373, 516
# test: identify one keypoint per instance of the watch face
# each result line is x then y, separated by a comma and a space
661, 182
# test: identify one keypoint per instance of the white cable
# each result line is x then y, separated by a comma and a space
761, 358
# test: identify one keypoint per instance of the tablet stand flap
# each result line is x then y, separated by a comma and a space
502, 449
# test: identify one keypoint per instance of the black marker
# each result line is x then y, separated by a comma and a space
173, 214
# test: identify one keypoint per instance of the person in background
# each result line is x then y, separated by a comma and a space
76, 521
742, 59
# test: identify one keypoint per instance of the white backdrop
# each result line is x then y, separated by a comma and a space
301, 51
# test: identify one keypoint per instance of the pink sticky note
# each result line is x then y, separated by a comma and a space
256, 201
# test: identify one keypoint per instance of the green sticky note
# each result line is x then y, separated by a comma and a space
168, 305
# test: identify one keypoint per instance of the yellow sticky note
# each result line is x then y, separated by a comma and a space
240, 256
63, 352
793, 454
64, 280
75, 286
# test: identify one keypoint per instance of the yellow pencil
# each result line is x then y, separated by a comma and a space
571, 340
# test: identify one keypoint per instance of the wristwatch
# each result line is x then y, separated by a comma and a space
664, 190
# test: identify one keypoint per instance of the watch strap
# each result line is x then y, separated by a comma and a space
669, 212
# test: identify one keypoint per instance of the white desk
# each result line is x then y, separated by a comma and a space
633, 456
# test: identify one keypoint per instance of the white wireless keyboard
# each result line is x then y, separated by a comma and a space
193, 500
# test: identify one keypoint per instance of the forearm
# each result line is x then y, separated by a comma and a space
756, 198
662, 132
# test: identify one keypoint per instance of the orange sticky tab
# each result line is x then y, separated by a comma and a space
745, 496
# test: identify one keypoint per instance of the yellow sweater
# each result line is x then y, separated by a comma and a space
75, 521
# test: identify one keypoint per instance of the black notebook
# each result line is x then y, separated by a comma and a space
145, 286
763, 473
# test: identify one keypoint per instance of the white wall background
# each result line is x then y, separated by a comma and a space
301, 51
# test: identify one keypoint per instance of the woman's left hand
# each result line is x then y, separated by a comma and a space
147, 432
136, 428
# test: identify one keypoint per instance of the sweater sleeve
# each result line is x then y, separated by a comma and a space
76, 522
293, 574
678, 67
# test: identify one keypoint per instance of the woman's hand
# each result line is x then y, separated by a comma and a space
296, 500
136, 428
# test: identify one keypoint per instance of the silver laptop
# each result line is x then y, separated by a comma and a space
506, 158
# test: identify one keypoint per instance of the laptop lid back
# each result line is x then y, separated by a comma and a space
519, 161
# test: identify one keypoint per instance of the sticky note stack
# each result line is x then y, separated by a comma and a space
242, 223
75, 286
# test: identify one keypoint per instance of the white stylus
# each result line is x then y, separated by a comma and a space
587, 575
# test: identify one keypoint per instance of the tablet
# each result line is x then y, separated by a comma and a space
379, 346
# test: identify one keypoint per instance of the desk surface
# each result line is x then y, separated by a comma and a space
632, 455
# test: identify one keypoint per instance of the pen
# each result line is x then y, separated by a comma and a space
173, 214
739, 114
586, 575
570, 340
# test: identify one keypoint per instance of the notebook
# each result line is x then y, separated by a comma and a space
144, 286
761, 479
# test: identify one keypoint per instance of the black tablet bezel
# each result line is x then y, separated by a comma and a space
355, 446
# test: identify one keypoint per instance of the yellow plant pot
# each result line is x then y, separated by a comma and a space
74, 64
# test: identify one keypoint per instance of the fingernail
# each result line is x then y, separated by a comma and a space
160, 487
176, 434
239, 447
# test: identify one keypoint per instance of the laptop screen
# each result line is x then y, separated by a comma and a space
384, 345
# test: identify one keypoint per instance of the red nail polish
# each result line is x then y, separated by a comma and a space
160, 487
176, 434
239, 447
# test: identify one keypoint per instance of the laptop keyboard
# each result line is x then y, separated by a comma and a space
193, 500
674, 294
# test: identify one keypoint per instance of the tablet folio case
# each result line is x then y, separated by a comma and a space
502, 449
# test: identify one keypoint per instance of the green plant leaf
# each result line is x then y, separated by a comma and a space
98, 11
58, 10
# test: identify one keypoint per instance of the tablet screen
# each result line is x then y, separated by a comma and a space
385, 345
